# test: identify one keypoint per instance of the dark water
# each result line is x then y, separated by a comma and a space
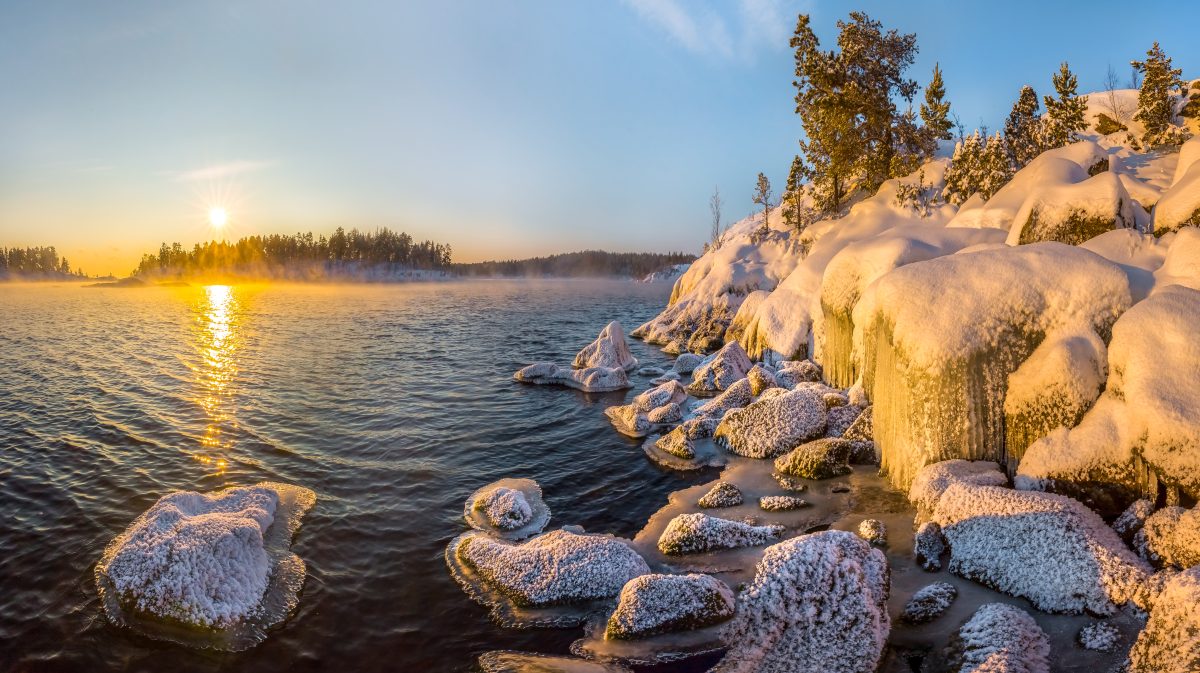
392, 403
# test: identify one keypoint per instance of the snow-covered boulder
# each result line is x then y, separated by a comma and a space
873, 531
686, 363
929, 602
818, 602
504, 661
667, 413
724, 494
1170, 641
1100, 637
608, 350
781, 503
635, 420
928, 546
760, 379
652, 604
1001, 638
505, 508
1170, 537
745, 314
824, 458
592, 379
555, 567
1047, 548
791, 373
1073, 213
721, 369
839, 417
696, 532
734, 397
677, 443
943, 335
773, 425
510, 508
1133, 519
200, 559
932, 481
1180, 204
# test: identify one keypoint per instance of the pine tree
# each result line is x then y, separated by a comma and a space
1156, 106
935, 111
831, 143
762, 197
962, 177
1065, 114
1022, 129
995, 167
791, 194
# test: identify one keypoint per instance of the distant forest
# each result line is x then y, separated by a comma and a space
38, 263
586, 264
345, 255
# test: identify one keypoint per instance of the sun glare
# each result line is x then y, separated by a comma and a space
217, 217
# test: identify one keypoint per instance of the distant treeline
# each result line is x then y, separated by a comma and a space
586, 264
38, 263
379, 255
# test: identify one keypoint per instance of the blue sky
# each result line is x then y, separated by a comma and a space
504, 128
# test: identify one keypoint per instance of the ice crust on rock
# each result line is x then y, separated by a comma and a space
677, 443
592, 379
932, 481
820, 459
1170, 537
791, 373
652, 604
773, 425
929, 602
721, 369
510, 508
839, 419
781, 503
724, 494
686, 363
1001, 638
760, 379
1170, 642
1047, 548
818, 602
1100, 637
735, 396
928, 546
608, 350
505, 508
873, 531
555, 567
696, 532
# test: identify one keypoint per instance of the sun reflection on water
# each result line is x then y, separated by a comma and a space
217, 341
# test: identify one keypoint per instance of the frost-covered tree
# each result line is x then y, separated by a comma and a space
996, 167
762, 197
1064, 114
935, 111
1156, 104
714, 209
1022, 129
963, 175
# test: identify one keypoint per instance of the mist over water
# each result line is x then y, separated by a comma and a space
394, 403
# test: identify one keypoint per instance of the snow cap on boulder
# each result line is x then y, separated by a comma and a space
771, 426
721, 369
652, 604
696, 532
608, 350
1001, 638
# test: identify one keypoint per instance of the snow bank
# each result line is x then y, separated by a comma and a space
1047, 548
667, 275
773, 425
510, 508
608, 350
817, 603
942, 336
745, 314
721, 369
592, 379
1180, 204
1170, 642
1002, 638
553, 568
653, 604
1073, 213
1181, 264
1138, 255
696, 532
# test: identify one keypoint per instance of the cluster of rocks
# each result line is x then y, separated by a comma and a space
601, 366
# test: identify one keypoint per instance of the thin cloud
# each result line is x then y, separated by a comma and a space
757, 24
222, 171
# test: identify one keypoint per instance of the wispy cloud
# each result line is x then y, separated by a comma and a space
743, 30
221, 171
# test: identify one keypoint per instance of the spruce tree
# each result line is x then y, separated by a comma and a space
962, 176
791, 194
1156, 106
1065, 114
762, 197
1022, 129
935, 111
995, 167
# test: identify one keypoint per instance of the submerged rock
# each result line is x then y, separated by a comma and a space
771, 426
873, 531
724, 494
929, 603
696, 532
1001, 638
822, 459
608, 350
1170, 538
555, 567
781, 503
1100, 637
721, 369
1170, 642
652, 604
817, 603
592, 379
928, 546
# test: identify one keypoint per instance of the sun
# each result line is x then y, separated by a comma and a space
217, 217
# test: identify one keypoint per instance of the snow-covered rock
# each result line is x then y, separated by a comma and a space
1170, 537
1133, 519
929, 602
696, 532
677, 443
724, 494
818, 602
1075, 212
773, 425
197, 558
932, 481
943, 335
790, 373
1047, 548
686, 363
662, 402
608, 350
928, 546
555, 567
505, 508
510, 508
781, 503
503, 661
667, 275
592, 379
667, 413
824, 458
1099, 637
1001, 638
721, 369
1180, 204
873, 531
736, 396
840, 417
1170, 641
652, 604
760, 379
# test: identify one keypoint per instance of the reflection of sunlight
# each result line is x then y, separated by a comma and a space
217, 341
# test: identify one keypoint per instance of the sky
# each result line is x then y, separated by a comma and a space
506, 129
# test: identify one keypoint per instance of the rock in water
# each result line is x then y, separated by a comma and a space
696, 532
1100, 637
721, 369
200, 559
555, 567
511, 508
677, 443
1170, 538
781, 503
653, 604
667, 413
1170, 642
528, 662
929, 603
505, 508
608, 350
591, 380
933, 480
1047, 548
817, 603
928, 546
823, 459
686, 363
1001, 638
724, 494
772, 426
873, 531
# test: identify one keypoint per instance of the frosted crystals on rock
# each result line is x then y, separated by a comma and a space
1170, 538
769, 427
505, 508
1100, 637
724, 494
510, 508
933, 480
821, 459
695, 532
686, 363
667, 413
592, 379
760, 379
928, 546
608, 350
873, 531
1001, 638
789, 373
721, 369
677, 443
652, 604
929, 602
1170, 642
781, 503
1133, 519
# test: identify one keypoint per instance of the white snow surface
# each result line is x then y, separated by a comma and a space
1044, 215
818, 602
667, 275
932, 481
697, 532
1001, 638
1170, 641
654, 603
1181, 202
773, 425
608, 350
